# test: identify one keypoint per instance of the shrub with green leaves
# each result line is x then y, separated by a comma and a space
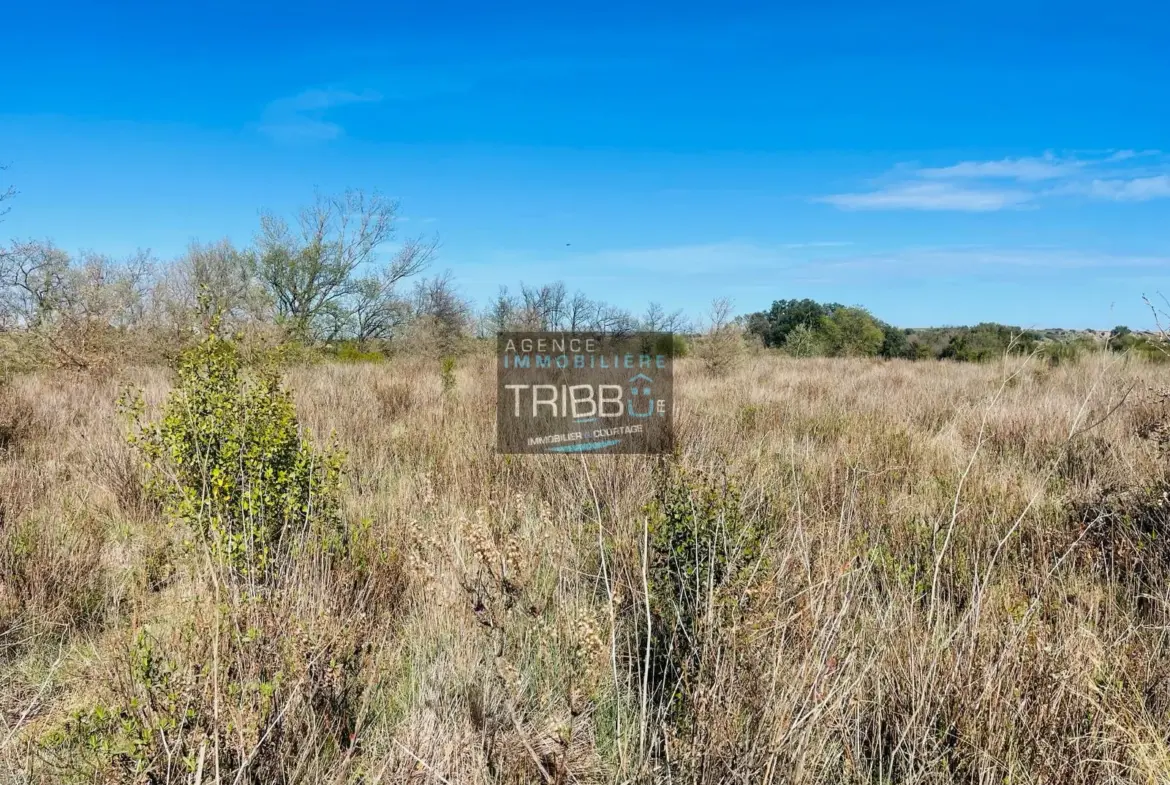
1063, 352
228, 458
803, 341
701, 553
989, 341
447, 373
355, 352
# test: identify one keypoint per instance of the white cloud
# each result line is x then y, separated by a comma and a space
320, 99
686, 259
301, 129
1138, 189
931, 196
300, 117
1023, 169
747, 264
960, 259
979, 186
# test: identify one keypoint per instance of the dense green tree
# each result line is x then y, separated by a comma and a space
773, 325
851, 332
895, 344
988, 341
921, 351
1120, 338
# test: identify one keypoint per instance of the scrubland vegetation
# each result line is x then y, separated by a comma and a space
253, 528
339, 279
853, 570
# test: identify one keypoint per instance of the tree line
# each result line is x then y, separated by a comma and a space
806, 328
326, 279
323, 278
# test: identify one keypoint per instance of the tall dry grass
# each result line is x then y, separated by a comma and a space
957, 573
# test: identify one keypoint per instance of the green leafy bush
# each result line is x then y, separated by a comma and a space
447, 373
353, 352
988, 341
1063, 352
803, 341
228, 459
851, 332
701, 551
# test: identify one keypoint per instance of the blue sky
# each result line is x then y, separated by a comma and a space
937, 163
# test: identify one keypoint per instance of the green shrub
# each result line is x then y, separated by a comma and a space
447, 374
803, 341
701, 551
921, 351
1152, 349
228, 459
353, 352
988, 341
1060, 352
675, 346
1119, 337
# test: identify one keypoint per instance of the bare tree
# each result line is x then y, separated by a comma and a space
544, 306
440, 317
721, 346
549, 307
720, 314
211, 279
32, 279
374, 309
311, 271
376, 312
80, 312
656, 319
610, 319
437, 299
501, 314
578, 312
5, 194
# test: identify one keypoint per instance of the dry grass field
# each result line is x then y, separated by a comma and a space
852, 571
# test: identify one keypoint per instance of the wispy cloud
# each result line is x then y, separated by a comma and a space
1047, 167
991, 185
930, 196
819, 244
301, 117
966, 259
754, 264
1139, 189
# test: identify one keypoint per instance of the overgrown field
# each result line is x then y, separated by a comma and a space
853, 571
